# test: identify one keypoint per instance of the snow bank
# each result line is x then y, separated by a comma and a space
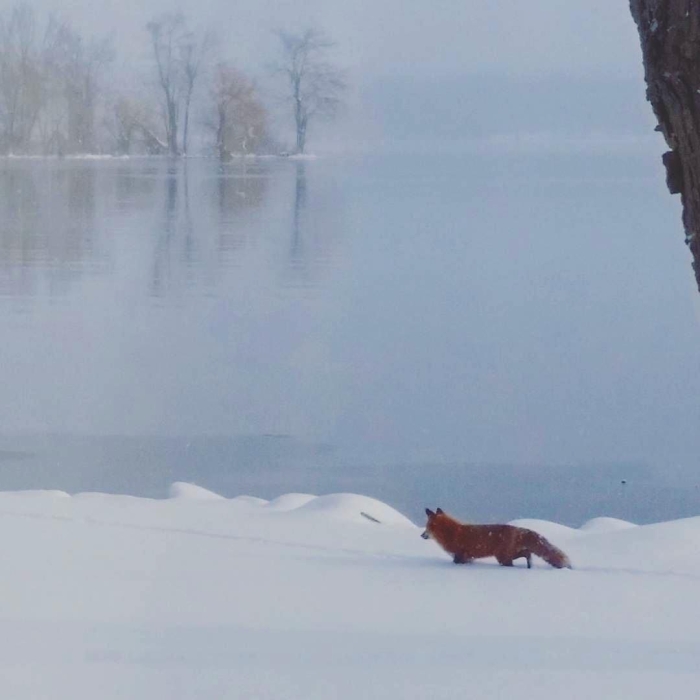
595, 525
552, 531
290, 501
249, 500
180, 489
202, 596
337, 506
351, 507
606, 525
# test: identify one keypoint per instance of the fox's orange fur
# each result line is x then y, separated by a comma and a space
505, 542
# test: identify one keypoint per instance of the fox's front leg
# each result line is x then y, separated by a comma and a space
461, 559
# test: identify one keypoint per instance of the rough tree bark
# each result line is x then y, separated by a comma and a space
669, 31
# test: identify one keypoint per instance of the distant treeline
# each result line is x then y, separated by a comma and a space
60, 93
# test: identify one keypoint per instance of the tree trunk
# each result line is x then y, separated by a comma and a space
171, 126
186, 126
669, 31
299, 118
153, 144
301, 134
221, 133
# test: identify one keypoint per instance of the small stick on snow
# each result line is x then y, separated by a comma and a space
369, 517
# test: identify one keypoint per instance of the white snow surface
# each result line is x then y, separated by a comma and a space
198, 596
180, 489
606, 525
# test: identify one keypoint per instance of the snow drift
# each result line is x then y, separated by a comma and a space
304, 597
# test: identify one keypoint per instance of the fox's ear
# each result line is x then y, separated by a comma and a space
440, 511
429, 512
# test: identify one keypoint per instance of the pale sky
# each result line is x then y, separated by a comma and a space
402, 36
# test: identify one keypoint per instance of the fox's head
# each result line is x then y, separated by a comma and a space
431, 520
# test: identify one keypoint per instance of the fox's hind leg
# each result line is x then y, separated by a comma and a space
526, 555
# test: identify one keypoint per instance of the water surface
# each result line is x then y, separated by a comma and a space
511, 335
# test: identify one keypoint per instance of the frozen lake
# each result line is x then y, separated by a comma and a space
512, 335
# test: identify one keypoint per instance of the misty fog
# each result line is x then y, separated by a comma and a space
478, 277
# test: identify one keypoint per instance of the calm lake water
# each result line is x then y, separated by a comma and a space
500, 335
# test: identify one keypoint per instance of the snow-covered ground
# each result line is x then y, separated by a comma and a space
196, 596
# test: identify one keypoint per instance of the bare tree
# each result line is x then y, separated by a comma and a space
179, 56
53, 118
123, 122
167, 34
130, 123
81, 65
21, 78
315, 84
49, 84
670, 38
239, 119
194, 54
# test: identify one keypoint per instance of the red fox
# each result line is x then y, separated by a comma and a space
505, 542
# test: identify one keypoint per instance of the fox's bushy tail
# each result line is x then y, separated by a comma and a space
544, 549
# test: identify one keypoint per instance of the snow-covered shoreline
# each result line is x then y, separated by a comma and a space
234, 157
304, 597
